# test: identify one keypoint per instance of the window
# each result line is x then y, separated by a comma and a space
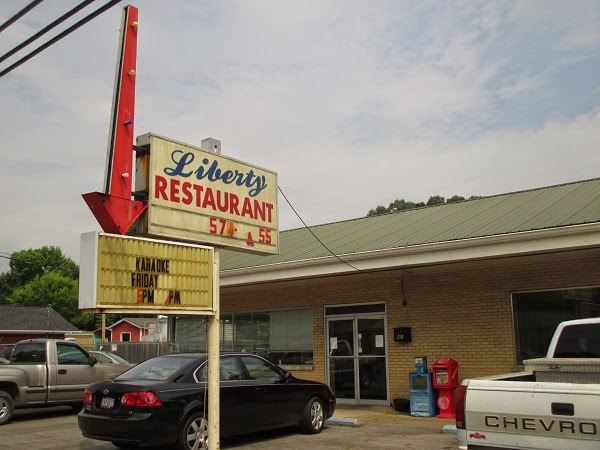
159, 368
101, 358
69, 354
536, 315
30, 353
283, 337
259, 369
229, 370
125, 337
582, 341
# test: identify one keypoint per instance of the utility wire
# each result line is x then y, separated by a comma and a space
58, 37
311, 232
20, 14
43, 31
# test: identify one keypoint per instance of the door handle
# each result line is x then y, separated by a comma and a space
62, 371
563, 409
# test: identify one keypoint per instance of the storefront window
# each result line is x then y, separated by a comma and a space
283, 337
536, 315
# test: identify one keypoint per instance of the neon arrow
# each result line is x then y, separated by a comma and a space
114, 208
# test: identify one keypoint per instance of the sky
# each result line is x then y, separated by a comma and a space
353, 103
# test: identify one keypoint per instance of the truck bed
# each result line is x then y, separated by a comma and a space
531, 414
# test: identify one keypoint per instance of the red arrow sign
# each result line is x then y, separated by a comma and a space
114, 209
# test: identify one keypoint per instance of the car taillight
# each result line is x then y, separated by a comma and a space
87, 399
460, 408
145, 398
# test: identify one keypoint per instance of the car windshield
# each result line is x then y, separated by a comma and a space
159, 368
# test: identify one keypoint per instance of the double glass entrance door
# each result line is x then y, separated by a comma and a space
357, 359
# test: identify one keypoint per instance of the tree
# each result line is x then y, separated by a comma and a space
57, 290
377, 211
27, 264
436, 200
455, 199
402, 204
6, 287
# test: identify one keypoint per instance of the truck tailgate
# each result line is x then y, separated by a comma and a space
541, 415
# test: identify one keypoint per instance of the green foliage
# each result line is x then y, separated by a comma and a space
6, 287
57, 290
402, 204
28, 264
455, 199
42, 277
436, 200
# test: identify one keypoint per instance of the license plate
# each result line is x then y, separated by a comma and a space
107, 403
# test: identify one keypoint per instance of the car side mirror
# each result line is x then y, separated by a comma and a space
286, 376
92, 360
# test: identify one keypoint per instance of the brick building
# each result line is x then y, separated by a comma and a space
483, 281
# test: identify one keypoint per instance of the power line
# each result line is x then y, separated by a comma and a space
58, 37
315, 236
20, 14
44, 30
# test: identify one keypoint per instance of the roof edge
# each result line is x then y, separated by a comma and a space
524, 242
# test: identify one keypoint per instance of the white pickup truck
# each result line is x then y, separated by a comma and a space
553, 404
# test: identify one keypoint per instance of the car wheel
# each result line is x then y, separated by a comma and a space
7, 407
313, 417
194, 433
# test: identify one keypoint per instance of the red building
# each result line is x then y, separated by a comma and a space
130, 329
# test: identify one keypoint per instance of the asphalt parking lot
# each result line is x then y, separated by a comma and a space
377, 427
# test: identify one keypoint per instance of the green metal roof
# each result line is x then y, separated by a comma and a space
550, 207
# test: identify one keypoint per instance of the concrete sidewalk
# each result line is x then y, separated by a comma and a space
353, 415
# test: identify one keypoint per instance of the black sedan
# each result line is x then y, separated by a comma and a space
162, 401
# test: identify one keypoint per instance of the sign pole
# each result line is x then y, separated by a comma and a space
214, 386
213, 362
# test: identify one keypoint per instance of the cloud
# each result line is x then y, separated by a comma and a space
353, 103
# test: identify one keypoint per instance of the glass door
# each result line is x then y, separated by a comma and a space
357, 359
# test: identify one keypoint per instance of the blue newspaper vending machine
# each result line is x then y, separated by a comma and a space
423, 398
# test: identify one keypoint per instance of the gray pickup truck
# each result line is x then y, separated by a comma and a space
49, 372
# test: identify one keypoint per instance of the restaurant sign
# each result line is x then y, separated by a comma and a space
200, 196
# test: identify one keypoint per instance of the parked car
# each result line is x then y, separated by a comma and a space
162, 401
3, 360
7, 350
109, 358
49, 372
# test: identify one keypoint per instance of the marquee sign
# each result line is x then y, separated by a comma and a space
135, 275
203, 197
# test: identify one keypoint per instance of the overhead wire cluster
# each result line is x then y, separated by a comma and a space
47, 29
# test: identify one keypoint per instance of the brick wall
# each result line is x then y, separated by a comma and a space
462, 311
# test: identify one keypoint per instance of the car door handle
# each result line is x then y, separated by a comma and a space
62, 371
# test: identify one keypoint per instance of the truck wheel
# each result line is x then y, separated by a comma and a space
7, 407
194, 433
313, 418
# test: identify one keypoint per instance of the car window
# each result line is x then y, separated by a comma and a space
69, 354
30, 353
229, 370
116, 358
259, 369
102, 358
159, 368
